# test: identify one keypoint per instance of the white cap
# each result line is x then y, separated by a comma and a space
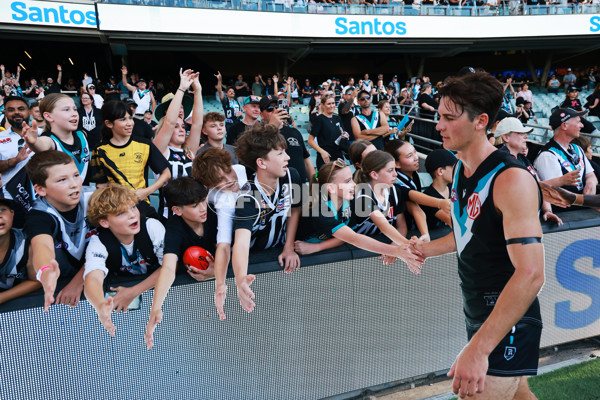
510, 124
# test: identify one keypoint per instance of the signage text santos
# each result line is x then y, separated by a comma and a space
372, 27
57, 15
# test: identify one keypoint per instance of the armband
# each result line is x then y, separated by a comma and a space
524, 240
38, 275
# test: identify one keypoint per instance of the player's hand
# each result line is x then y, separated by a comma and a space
104, 310
48, 279
220, 295
202, 274
289, 260
411, 256
71, 294
469, 371
557, 196
123, 298
245, 294
154, 319
388, 260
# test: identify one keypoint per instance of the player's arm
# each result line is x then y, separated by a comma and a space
94, 293
420, 219
522, 230
305, 248
166, 276
239, 261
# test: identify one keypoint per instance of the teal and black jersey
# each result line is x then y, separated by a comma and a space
484, 265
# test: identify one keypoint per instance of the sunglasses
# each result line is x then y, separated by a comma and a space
337, 164
365, 98
270, 108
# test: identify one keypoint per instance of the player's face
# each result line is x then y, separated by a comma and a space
195, 212
179, 134
516, 141
125, 223
64, 116
122, 127
62, 187
16, 112
6, 219
342, 185
408, 158
215, 130
387, 175
276, 162
456, 129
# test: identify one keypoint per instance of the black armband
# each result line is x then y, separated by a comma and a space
524, 240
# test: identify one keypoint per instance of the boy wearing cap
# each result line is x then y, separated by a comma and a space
562, 163
17, 277
439, 164
251, 107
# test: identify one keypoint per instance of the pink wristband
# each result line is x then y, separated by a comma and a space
38, 275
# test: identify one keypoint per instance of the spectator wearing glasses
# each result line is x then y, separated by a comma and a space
327, 129
562, 163
142, 96
368, 124
347, 109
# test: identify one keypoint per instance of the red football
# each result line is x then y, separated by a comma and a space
197, 257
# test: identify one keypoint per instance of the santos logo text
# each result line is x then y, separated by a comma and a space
374, 27
60, 15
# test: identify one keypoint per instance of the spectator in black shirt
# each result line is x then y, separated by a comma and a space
140, 127
327, 129
427, 105
90, 120
347, 109
572, 101
251, 107
241, 88
51, 86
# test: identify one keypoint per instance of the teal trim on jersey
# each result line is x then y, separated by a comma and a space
84, 157
463, 235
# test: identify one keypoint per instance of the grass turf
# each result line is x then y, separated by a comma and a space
575, 382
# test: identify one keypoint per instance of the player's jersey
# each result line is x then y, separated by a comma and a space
230, 107
484, 266
266, 216
13, 268
366, 202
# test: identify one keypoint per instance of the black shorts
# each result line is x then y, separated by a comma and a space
518, 352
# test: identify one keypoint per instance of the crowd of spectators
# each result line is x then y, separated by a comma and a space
73, 174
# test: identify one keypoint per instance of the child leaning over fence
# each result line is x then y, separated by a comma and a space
126, 246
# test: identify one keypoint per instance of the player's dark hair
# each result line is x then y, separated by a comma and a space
257, 142
476, 93
112, 111
184, 191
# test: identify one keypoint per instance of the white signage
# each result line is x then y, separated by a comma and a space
31, 12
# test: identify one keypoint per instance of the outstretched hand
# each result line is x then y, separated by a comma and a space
245, 294
154, 319
48, 280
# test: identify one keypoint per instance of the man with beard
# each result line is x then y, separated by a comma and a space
14, 152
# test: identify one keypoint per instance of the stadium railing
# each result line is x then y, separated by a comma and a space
503, 9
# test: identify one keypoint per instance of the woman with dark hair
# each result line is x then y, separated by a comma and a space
90, 119
124, 159
593, 102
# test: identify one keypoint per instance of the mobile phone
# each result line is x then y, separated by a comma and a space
283, 104
134, 305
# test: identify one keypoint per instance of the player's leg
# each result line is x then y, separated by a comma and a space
523, 392
498, 388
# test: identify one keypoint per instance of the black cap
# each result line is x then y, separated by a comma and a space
573, 89
439, 158
563, 115
7, 202
129, 101
501, 115
266, 101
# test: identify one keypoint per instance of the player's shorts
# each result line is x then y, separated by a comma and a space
518, 352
